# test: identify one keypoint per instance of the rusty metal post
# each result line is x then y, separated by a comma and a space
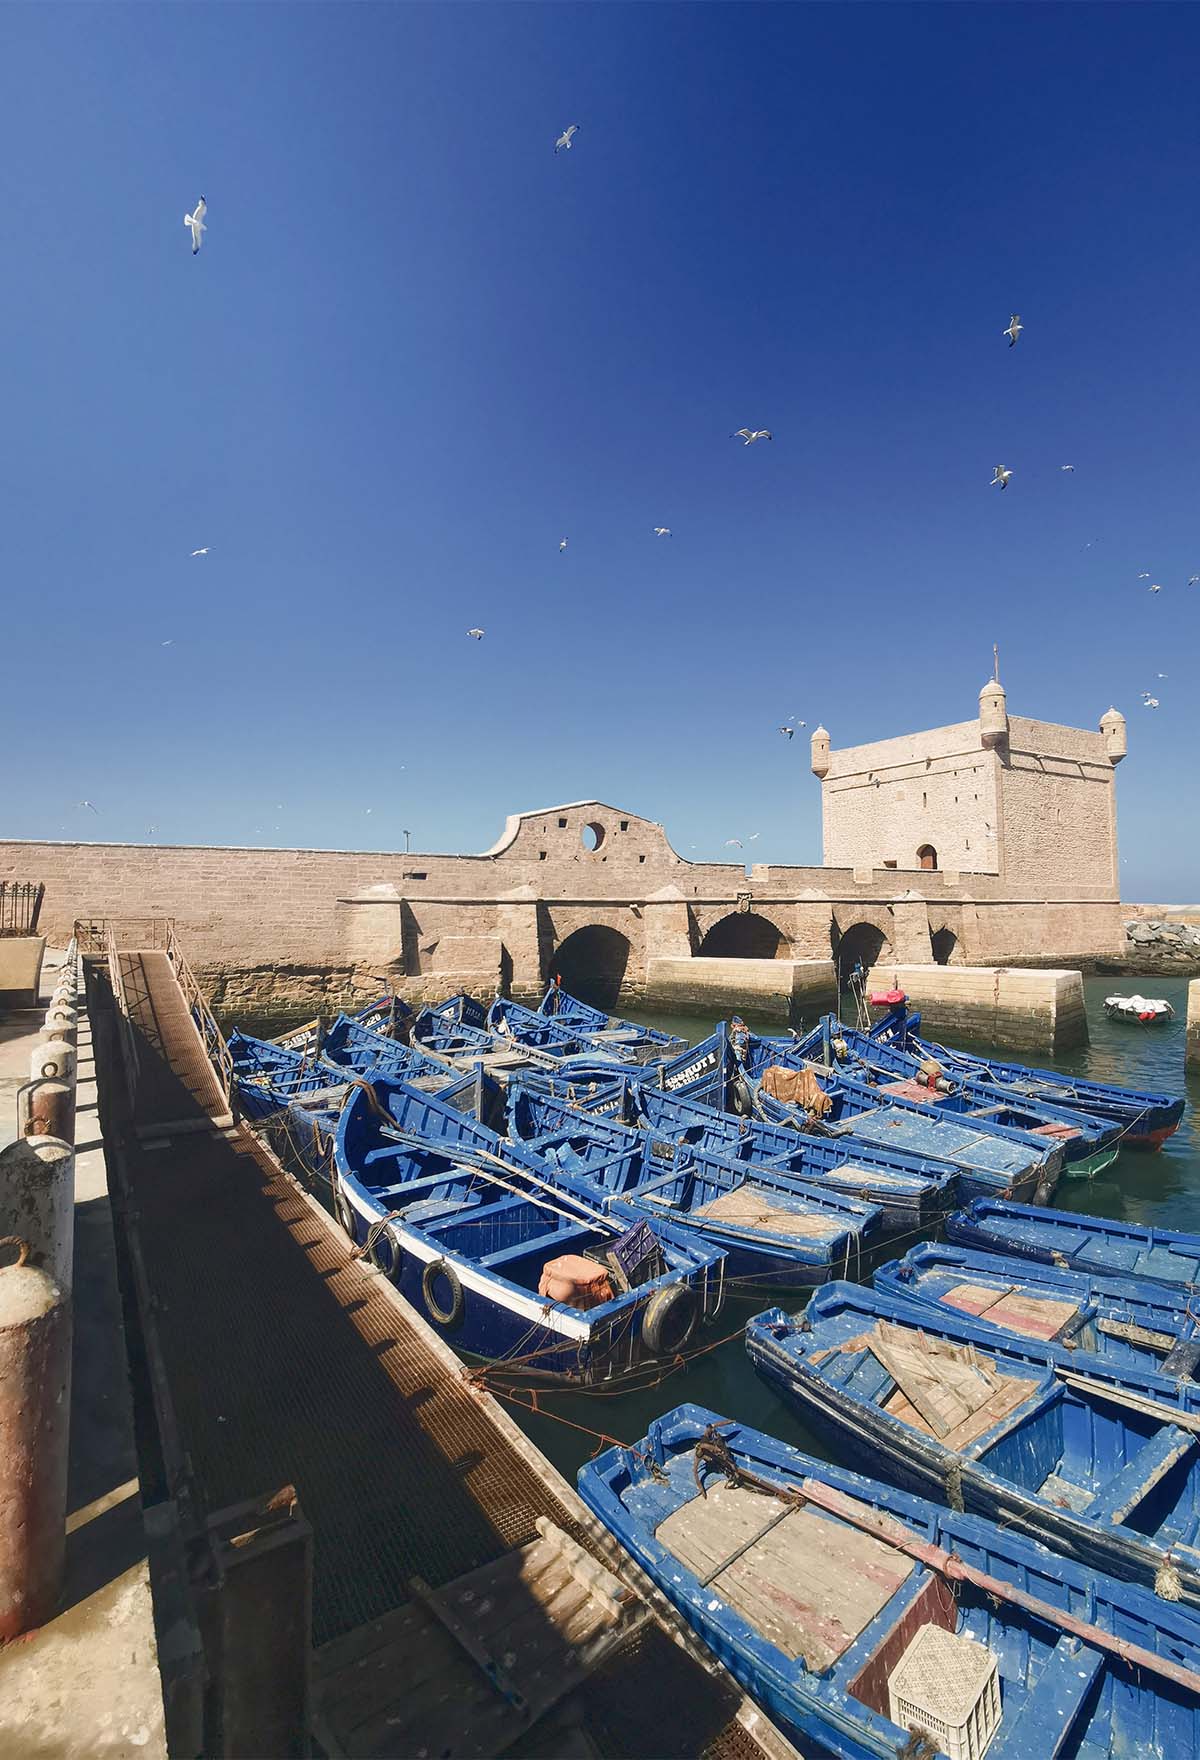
47, 1109
255, 1611
37, 1203
35, 1372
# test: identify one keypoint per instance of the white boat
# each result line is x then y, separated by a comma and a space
1145, 1010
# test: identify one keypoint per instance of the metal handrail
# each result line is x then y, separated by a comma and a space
128, 1041
218, 1052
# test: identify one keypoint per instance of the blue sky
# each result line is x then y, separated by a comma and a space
418, 349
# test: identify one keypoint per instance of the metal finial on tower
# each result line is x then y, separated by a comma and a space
996, 661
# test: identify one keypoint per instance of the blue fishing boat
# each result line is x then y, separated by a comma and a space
507, 1265
857, 1614
1089, 1144
511, 1020
1146, 1119
387, 1015
910, 1191
1122, 1319
570, 1012
1101, 1463
774, 1228
268, 1075
463, 1046
1078, 1242
989, 1157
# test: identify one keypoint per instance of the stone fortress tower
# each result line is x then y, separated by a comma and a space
1029, 802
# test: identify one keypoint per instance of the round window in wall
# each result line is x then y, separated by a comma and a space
592, 836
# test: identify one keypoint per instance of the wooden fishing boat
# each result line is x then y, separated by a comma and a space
1102, 1464
1145, 1119
1089, 1144
1122, 1319
1078, 1242
910, 1190
463, 1046
871, 1623
387, 1016
988, 1157
511, 1020
1141, 1011
774, 1228
568, 1010
510, 1267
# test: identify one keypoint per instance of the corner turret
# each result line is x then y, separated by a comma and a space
820, 752
993, 715
1112, 726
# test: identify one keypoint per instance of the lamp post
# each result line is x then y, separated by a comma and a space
407, 839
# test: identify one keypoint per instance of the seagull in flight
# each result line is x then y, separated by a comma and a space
562, 546
170, 643
755, 835
1000, 477
1149, 702
94, 809
1162, 675
1015, 328
1143, 577
203, 552
1193, 580
733, 843
749, 435
477, 633
1156, 588
662, 531
1066, 467
788, 732
563, 143
196, 222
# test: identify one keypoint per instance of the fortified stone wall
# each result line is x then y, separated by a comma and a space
883, 802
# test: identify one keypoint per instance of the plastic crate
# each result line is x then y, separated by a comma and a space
949, 1687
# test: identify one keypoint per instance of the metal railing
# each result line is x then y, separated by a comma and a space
217, 1050
20, 906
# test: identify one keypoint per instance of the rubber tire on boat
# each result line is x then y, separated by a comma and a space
669, 1320
444, 1316
345, 1212
384, 1254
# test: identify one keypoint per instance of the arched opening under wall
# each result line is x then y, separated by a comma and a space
591, 964
927, 856
862, 944
745, 935
942, 943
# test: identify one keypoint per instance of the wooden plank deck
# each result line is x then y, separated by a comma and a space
751, 1207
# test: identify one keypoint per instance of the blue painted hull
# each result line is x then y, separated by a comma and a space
1077, 1242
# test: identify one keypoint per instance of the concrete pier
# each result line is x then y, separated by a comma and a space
1191, 1056
1040, 1011
776, 989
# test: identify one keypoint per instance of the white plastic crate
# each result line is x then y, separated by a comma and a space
948, 1686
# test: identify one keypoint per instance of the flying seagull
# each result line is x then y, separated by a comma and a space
733, 843
1193, 580
196, 222
203, 552
1149, 702
755, 835
1000, 477
1143, 577
562, 546
94, 809
564, 139
477, 633
749, 435
1156, 588
1162, 675
1015, 328
1066, 467
788, 732
168, 644
662, 531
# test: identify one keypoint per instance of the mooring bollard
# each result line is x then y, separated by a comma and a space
35, 1371
61, 1011
46, 1109
54, 1060
37, 1203
58, 1032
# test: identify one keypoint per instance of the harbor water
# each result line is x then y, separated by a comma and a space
1160, 1188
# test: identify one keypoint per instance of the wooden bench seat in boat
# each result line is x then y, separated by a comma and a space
1117, 1499
558, 1239
1056, 1698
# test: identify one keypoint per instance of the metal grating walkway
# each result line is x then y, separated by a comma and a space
177, 1088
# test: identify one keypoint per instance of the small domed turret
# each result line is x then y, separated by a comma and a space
993, 714
1112, 726
820, 752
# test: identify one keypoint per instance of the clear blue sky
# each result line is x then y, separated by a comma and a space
418, 349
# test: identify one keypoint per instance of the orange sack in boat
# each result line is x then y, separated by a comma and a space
575, 1281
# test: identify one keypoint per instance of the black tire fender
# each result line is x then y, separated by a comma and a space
444, 1316
384, 1253
669, 1319
345, 1212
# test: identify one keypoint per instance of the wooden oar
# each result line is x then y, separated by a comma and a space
949, 1565
1134, 1402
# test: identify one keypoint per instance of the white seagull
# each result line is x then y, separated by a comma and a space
170, 643
562, 546
1015, 328
1193, 580
1000, 477
733, 843
1066, 467
662, 531
94, 809
1156, 588
196, 222
1143, 577
203, 552
1162, 675
788, 732
749, 435
477, 633
564, 140
1149, 702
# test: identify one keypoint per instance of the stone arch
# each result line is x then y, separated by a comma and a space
591, 963
861, 937
942, 943
745, 935
927, 857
